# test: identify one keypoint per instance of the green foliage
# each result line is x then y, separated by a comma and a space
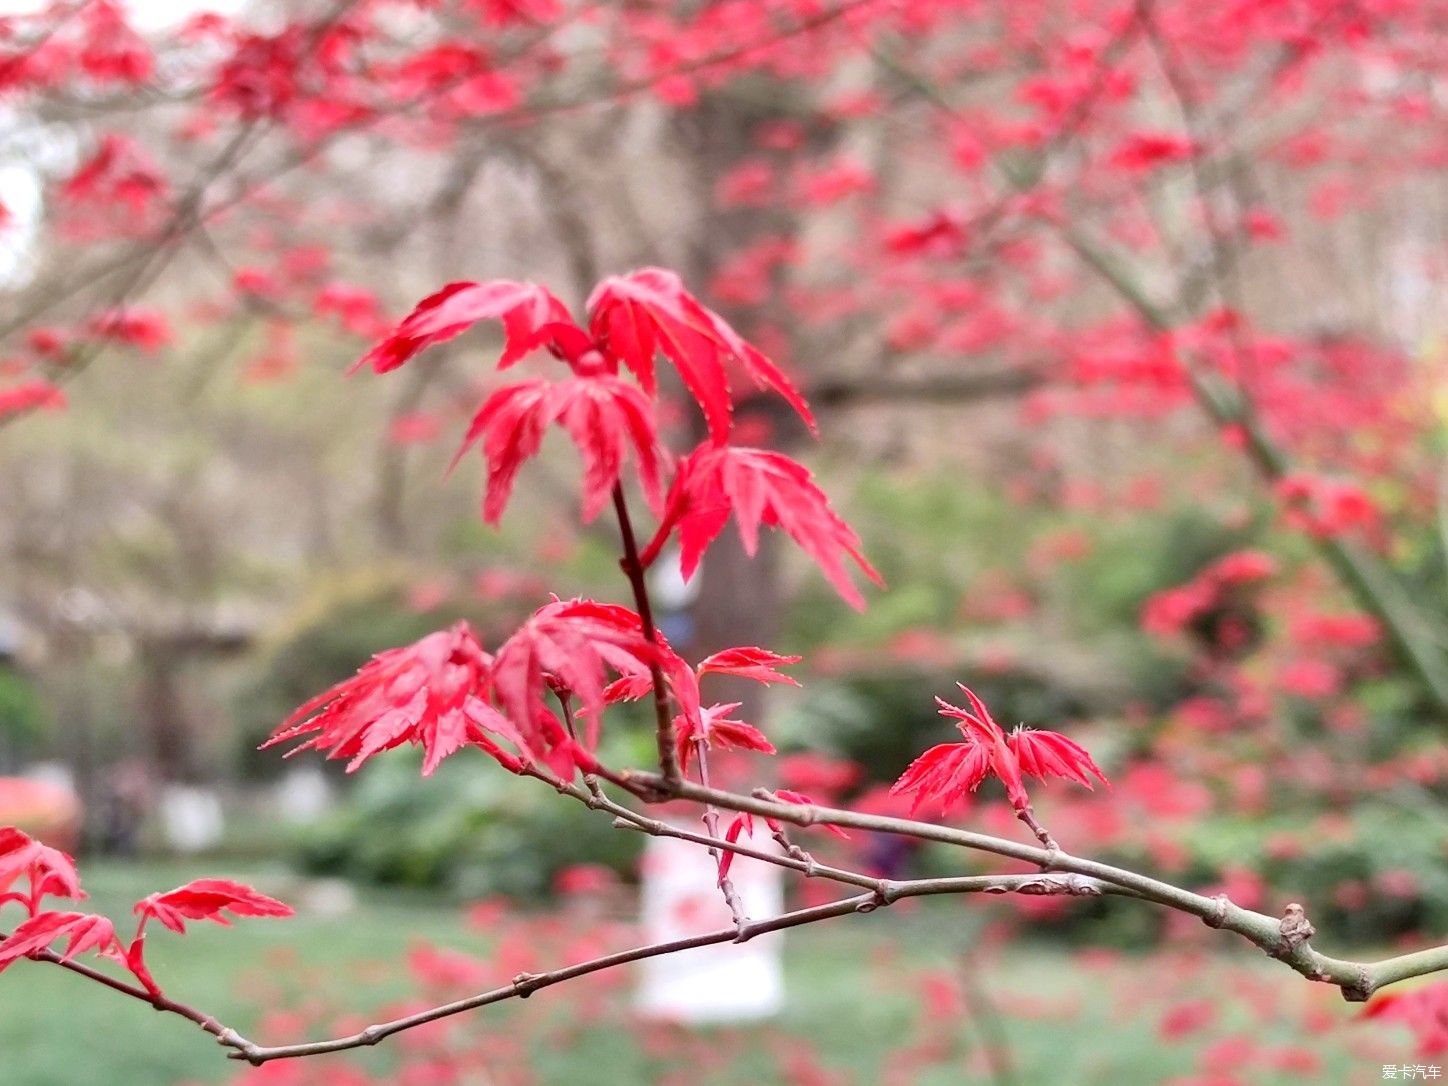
470, 829
1388, 853
959, 534
23, 720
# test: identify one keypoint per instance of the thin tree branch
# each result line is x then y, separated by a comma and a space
634, 570
1284, 938
1273, 935
525, 984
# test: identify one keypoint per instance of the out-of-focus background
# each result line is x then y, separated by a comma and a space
1124, 326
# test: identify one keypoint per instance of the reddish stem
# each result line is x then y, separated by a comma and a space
633, 568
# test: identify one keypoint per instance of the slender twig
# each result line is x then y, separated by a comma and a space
525, 984
1284, 938
634, 570
710, 819
1357, 980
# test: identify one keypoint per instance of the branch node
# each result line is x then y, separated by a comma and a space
525, 984
1053, 850
244, 1049
885, 893
1218, 916
1361, 990
1294, 931
373, 1034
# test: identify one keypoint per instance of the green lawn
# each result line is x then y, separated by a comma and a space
1067, 1019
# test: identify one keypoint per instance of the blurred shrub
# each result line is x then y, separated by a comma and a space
1371, 875
23, 719
470, 829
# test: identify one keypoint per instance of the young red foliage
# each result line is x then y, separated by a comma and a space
567, 647
200, 899
118, 173
759, 487
946, 773
50, 872
208, 899
1423, 1010
85, 931
30, 396
431, 693
749, 663
603, 415
525, 309
648, 311
683, 681
715, 730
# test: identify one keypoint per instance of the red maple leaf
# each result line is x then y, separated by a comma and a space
569, 647
119, 172
749, 663
50, 871
759, 487
143, 328
86, 931
1045, 754
946, 773
525, 309
714, 728
431, 693
683, 681
208, 899
603, 415
648, 311
200, 899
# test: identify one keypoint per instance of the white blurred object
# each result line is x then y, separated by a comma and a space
54, 773
667, 585
329, 897
303, 794
191, 818
729, 982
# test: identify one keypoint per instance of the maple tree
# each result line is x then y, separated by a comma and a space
1097, 198
448, 694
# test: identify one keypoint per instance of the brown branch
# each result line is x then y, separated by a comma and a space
1357, 980
634, 570
711, 823
1285, 938
525, 984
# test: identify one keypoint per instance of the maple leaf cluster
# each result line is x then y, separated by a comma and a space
446, 692
537, 704
48, 872
632, 320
